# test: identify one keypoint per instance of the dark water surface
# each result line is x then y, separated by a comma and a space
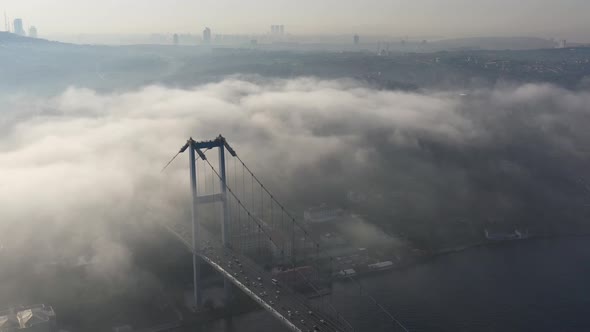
535, 285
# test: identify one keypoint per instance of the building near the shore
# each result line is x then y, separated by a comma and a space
297, 277
516, 235
346, 273
323, 213
380, 266
34, 318
33, 33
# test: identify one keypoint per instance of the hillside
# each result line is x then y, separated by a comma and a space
497, 43
11, 38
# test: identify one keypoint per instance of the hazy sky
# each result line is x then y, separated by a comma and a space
545, 18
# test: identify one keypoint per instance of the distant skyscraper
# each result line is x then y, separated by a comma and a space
281, 29
33, 32
175, 39
563, 44
207, 36
18, 27
356, 39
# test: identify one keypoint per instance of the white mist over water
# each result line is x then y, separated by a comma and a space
80, 161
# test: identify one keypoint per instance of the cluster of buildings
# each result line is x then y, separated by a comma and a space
277, 30
253, 239
277, 34
207, 38
19, 28
35, 318
325, 225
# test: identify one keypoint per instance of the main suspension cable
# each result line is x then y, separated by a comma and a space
242, 205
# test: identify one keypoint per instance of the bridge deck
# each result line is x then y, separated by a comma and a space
291, 308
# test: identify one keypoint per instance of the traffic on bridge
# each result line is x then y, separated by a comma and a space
293, 309
256, 250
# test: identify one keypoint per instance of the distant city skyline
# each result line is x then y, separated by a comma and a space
565, 19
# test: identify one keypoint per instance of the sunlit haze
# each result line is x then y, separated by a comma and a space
294, 165
436, 18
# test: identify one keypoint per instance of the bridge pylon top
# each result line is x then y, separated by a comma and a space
218, 142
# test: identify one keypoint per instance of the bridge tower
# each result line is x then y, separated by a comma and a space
195, 147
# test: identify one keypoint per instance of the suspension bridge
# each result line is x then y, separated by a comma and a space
262, 249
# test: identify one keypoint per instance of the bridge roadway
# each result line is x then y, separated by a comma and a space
286, 304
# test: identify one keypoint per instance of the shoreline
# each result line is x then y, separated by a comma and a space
221, 313
447, 251
458, 249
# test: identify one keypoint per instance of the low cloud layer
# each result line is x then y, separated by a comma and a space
73, 165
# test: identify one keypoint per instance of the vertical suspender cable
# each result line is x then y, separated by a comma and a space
245, 201
212, 183
261, 216
282, 242
252, 193
272, 231
205, 181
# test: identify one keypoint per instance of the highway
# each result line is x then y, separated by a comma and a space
290, 307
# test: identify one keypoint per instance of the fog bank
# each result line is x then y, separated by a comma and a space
74, 165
